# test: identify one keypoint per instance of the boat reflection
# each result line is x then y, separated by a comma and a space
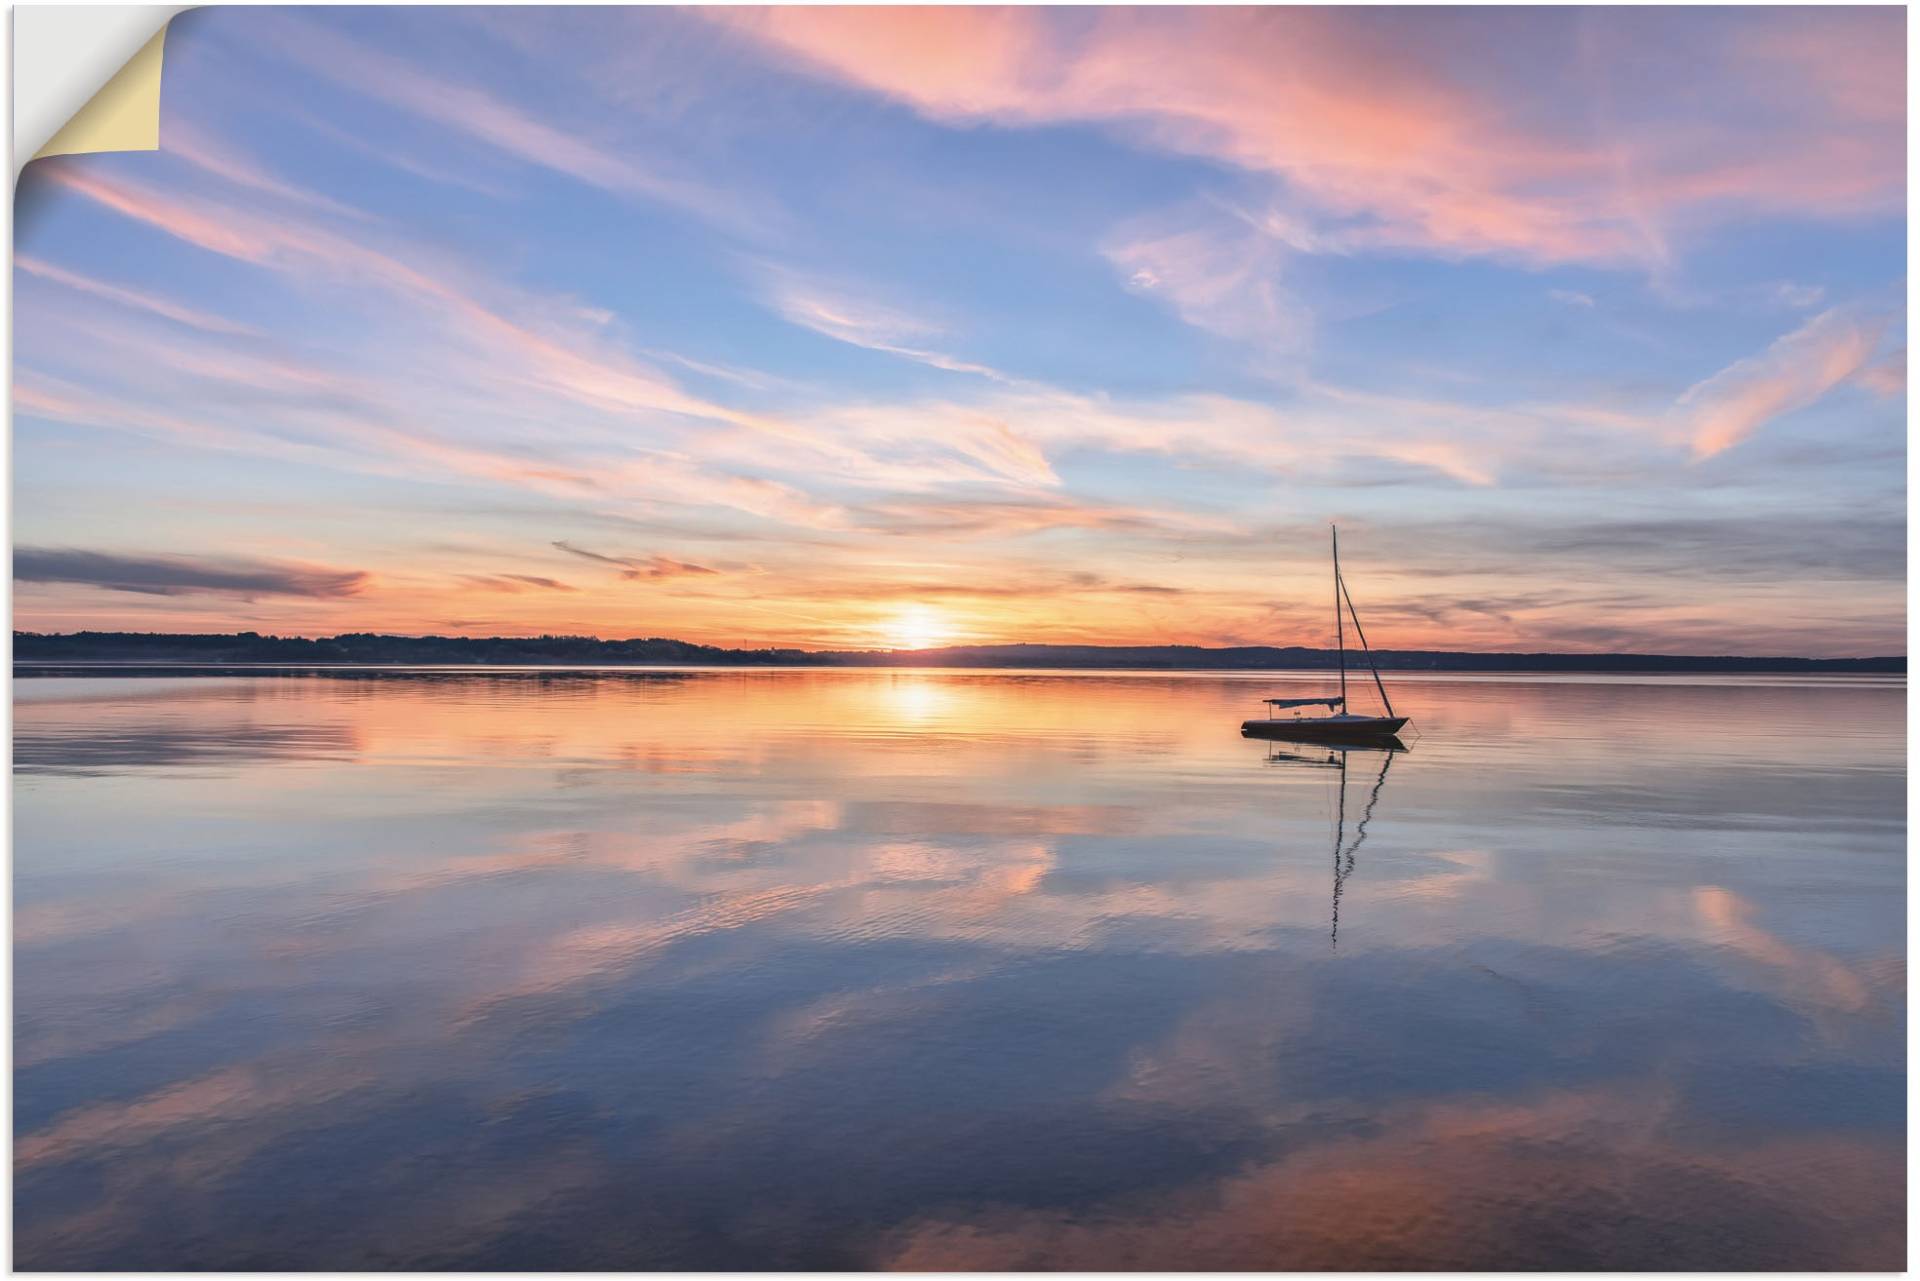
1335, 758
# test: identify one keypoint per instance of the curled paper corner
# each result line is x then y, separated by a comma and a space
123, 116
76, 89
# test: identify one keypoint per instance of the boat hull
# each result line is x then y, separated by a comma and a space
1325, 729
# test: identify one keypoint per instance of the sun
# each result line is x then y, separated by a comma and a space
916, 627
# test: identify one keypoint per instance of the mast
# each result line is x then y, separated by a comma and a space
1339, 624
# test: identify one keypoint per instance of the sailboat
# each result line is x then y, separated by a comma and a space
1339, 724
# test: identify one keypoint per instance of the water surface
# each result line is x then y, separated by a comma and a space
854, 969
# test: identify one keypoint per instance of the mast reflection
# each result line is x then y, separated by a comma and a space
1335, 758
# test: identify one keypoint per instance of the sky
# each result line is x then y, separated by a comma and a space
908, 327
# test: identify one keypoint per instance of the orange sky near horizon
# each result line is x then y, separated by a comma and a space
845, 602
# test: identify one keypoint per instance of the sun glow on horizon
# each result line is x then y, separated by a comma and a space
917, 627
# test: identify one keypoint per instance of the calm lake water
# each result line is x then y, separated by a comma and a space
859, 969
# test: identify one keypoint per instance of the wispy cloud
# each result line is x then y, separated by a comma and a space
180, 575
128, 297
566, 359
495, 122
1886, 377
1307, 438
863, 322
223, 161
1222, 270
43, 397
1798, 296
404, 161
556, 364
640, 567
950, 517
1797, 370
516, 583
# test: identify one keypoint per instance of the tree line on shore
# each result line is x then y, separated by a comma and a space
355, 648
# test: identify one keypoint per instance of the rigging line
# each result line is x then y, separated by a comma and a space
1357, 631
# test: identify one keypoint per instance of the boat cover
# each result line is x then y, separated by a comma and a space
1305, 702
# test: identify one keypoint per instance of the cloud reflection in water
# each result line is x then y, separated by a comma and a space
953, 970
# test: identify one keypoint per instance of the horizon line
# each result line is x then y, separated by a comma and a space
960, 648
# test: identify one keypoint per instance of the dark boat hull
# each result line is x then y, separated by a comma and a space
1304, 729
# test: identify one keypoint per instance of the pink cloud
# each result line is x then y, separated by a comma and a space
183, 220
1797, 370
1886, 377
1402, 131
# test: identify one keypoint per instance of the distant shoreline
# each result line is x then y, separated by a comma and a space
186, 654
